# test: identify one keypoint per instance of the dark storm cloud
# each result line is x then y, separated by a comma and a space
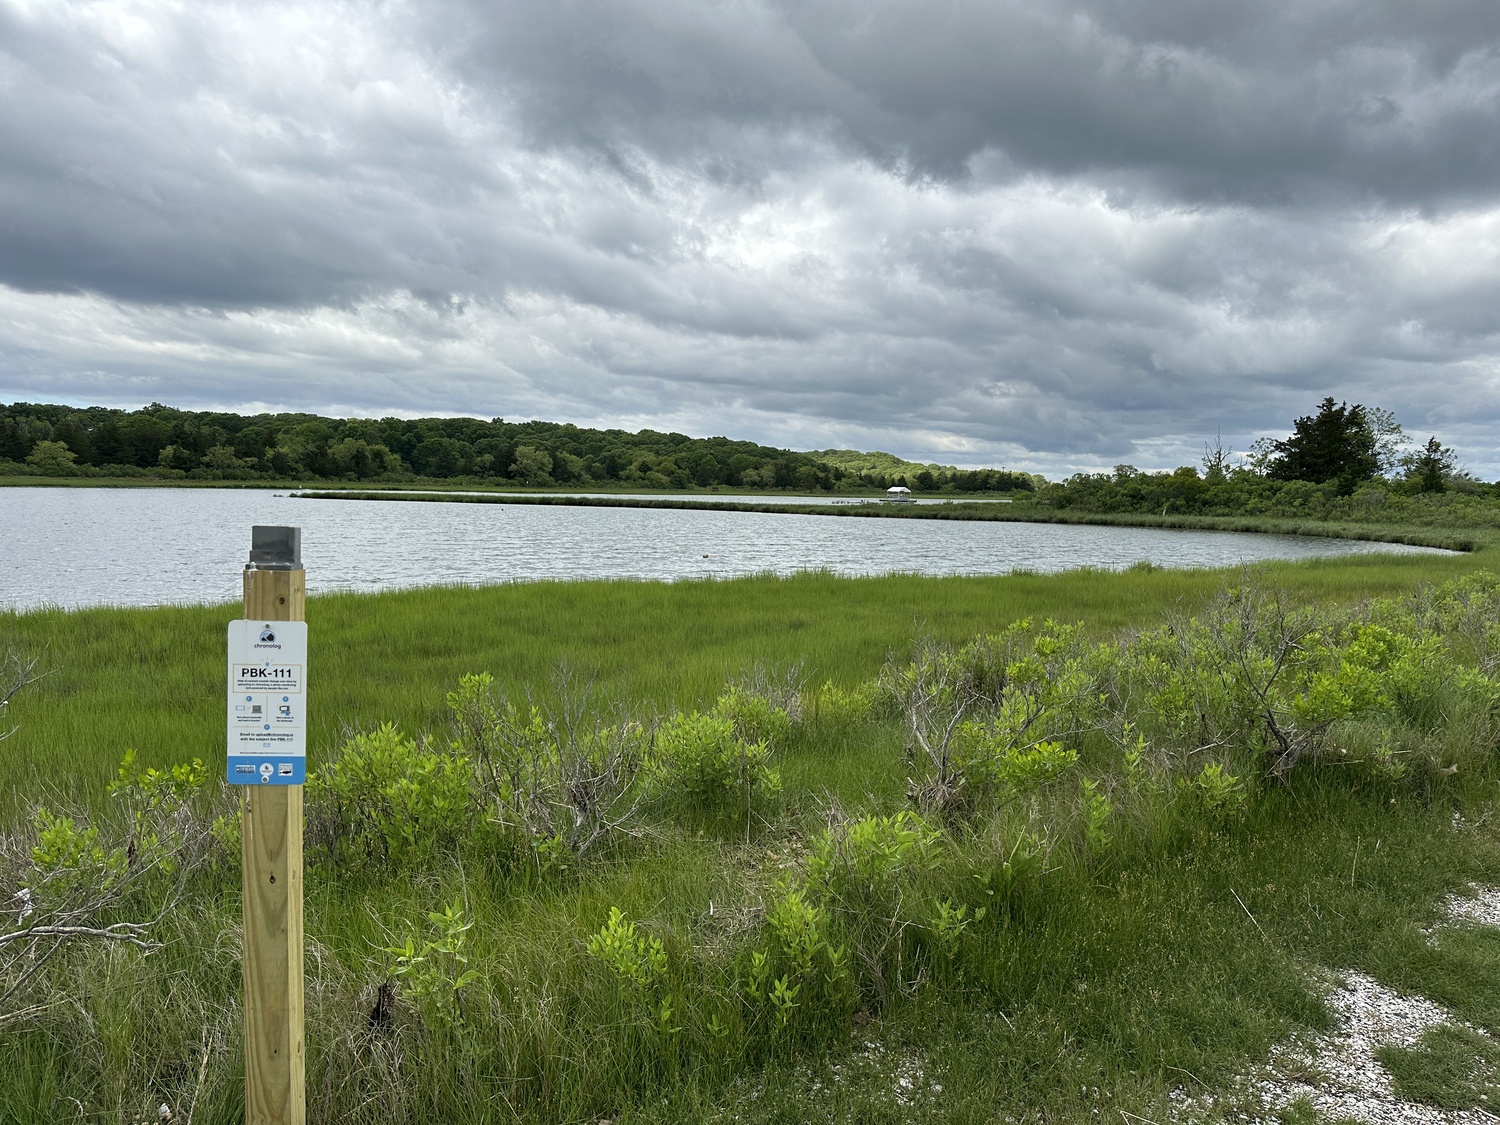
1052, 234
1275, 100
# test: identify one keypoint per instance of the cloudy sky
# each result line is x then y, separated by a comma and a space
1047, 234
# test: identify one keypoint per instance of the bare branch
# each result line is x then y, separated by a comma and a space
17, 670
130, 932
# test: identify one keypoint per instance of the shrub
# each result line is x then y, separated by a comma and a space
834, 705
801, 981
566, 780
638, 965
986, 754
974, 713
756, 719
435, 973
1096, 813
1220, 792
1251, 675
1273, 684
106, 880
948, 929
868, 873
701, 761
779, 686
384, 802
869, 858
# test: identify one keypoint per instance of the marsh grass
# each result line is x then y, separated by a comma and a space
1097, 981
151, 679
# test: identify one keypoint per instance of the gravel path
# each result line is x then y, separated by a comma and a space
1482, 906
1337, 1073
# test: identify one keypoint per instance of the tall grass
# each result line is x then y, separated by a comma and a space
1097, 981
153, 679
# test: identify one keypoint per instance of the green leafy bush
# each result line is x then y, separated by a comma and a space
155, 834
70, 860
701, 761
435, 972
756, 719
837, 706
385, 802
1266, 684
638, 965
801, 981
997, 711
1221, 793
108, 878
986, 754
870, 875
1097, 811
949, 928
869, 858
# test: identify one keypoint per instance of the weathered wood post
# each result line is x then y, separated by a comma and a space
267, 755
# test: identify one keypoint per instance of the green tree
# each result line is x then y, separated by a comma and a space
567, 468
1431, 467
1335, 444
222, 461
532, 466
358, 458
176, 457
53, 459
443, 457
1389, 438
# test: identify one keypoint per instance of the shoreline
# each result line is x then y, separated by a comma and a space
1447, 539
996, 507
457, 486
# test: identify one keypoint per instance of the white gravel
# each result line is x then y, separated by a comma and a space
1481, 905
1336, 1073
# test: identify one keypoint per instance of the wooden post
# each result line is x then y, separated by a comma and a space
275, 1048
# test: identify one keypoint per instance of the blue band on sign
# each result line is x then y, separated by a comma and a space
268, 771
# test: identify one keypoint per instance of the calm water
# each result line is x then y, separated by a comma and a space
85, 546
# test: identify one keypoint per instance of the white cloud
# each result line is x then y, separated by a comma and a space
1039, 235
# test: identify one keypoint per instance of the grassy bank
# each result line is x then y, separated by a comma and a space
1453, 539
1166, 946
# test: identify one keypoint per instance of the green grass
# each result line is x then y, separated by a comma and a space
1100, 994
153, 679
1092, 990
1451, 1068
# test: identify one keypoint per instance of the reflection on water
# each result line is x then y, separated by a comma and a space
92, 546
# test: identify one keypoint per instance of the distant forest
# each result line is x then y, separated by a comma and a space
1341, 462
164, 443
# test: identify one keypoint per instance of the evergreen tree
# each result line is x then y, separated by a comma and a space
1336, 444
1431, 467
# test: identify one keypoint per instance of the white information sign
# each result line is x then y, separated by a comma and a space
267, 702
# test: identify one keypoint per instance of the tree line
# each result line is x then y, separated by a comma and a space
165, 443
1334, 456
